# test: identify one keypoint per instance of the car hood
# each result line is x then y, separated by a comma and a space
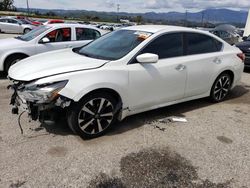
52, 63
10, 43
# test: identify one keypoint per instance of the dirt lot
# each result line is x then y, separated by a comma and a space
211, 150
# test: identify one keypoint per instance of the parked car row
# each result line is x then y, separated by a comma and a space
122, 73
22, 25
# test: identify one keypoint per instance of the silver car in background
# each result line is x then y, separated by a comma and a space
11, 25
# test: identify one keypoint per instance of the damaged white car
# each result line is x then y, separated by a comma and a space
125, 72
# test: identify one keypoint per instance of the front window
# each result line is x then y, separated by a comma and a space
59, 35
34, 33
166, 46
114, 45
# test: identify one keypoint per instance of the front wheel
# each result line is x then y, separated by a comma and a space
12, 60
221, 87
92, 116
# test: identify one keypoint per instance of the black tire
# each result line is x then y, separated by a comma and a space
92, 123
221, 88
25, 31
11, 60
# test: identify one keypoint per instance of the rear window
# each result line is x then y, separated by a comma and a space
87, 34
199, 44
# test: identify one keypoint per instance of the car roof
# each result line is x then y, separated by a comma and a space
158, 28
59, 25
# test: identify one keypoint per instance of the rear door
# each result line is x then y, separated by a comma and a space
84, 36
203, 54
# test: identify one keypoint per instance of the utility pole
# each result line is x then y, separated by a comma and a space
202, 18
118, 10
186, 18
28, 8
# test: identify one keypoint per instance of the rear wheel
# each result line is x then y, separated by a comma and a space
13, 59
221, 87
93, 115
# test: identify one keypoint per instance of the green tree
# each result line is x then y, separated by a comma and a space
6, 5
139, 19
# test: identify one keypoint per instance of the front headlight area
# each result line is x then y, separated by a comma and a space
42, 93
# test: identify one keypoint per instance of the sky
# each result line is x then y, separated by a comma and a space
136, 5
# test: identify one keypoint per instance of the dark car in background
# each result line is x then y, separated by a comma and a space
245, 48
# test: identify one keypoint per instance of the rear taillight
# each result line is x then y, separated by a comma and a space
241, 56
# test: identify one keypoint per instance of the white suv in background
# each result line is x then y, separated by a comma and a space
126, 72
44, 39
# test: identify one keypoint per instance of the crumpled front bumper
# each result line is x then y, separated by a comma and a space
36, 111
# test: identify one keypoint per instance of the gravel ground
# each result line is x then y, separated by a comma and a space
211, 150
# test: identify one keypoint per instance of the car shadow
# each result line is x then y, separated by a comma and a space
247, 70
136, 121
177, 110
3, 75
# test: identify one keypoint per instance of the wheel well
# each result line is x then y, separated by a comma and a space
231, 74
109, 91
12, 56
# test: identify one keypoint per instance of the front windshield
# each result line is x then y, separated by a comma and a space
114, 45
34, 33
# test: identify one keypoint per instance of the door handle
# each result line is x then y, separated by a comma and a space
180, 67
217, 60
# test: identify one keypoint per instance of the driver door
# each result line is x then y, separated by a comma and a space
154, 84
58, 39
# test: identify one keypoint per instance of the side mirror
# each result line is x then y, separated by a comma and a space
44, 40
244, 38
147, 58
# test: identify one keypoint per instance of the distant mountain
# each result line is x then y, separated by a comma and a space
208, 15
211, 15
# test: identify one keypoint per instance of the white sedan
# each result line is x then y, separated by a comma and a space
44, 39
11, 25
126, 72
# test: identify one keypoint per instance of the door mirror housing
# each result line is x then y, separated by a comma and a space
147, 58
44, 40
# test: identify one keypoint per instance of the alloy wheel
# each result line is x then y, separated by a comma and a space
222, 87
96, 116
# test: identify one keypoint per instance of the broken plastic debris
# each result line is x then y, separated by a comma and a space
183, 120
173, 119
